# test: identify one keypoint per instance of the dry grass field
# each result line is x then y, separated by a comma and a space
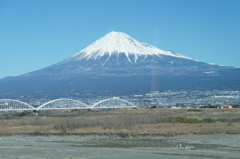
124, 122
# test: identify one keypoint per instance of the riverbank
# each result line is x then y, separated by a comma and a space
125, 122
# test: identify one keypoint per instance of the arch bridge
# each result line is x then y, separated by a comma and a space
114, 102
11, 104
64, 103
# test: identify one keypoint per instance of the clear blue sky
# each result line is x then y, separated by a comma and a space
38, 33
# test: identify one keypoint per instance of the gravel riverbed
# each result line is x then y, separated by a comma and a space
113, 147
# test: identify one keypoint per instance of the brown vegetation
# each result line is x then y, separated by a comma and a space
167, 122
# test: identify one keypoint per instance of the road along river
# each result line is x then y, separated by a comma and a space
104, 147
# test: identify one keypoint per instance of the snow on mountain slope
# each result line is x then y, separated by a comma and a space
121, 43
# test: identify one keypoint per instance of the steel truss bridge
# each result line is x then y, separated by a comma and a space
63, 103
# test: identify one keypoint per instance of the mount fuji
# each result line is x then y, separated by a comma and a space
120, 64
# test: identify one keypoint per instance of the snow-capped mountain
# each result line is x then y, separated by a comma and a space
117, 54
120, 43
121, 64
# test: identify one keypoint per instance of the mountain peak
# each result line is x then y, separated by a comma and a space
121, 43
116, 33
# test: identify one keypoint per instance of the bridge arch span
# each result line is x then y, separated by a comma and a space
12, 104
63, 103
114, 102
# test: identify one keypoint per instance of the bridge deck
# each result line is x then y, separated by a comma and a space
58, 104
